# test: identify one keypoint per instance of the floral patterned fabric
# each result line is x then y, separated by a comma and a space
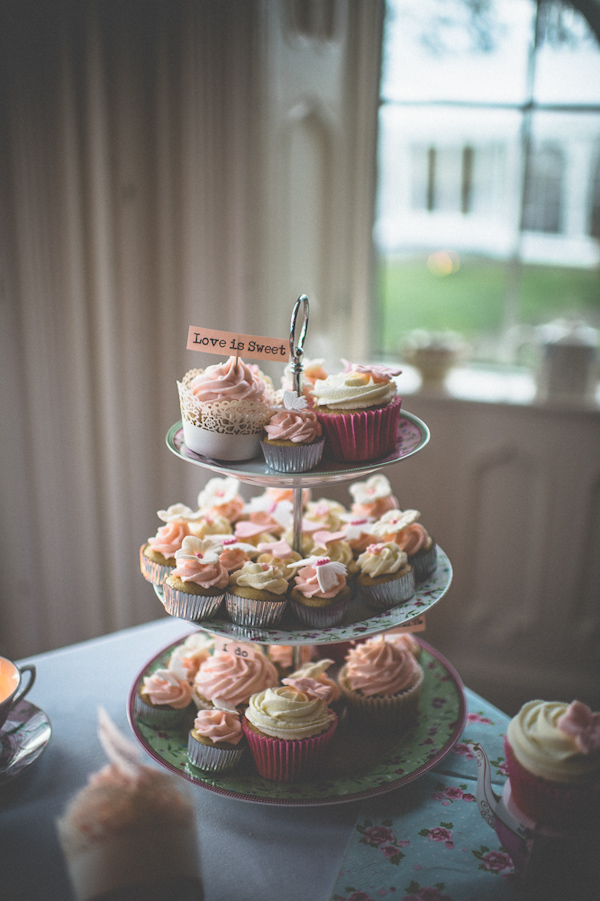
428, 841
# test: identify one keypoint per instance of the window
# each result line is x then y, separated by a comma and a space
488, 156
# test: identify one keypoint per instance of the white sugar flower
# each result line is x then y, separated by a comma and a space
372, 489
394, 521
218, 491
179, 513
193, 547
291, 401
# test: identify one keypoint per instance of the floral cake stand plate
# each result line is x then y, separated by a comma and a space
358, 766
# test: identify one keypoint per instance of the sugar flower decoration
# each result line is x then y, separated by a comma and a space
372, 489
378, 372
279, 549
323, 537
291, 401
395, 521
179, 513
220, 543
327, 571
310, 687
217, 492
583, 725
280, 510
192, 547
357, 526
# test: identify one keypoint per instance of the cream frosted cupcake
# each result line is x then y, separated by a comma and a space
224, 409
325, 513
315, 670
164, 698
293, 440
196, 587
553, 757
359, 410
402, 527
131, 830
280, 554
381, 683
385, 578
320, 594
157, 556
233, 675
335, 546
216, 740
372, 497
257, 595
288, 732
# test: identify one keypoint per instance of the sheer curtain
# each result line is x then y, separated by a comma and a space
134, 185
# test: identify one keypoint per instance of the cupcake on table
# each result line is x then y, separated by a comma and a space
359, 410
553, 757
385, 577
216, 741
372, 497
196, 587
289, 732
293, 439
224, 409
157, 556
320, 594
257, 595
233, 675
382, 684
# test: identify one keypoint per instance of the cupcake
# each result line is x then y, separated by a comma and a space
257, 532
164, 698
188, 655
282, 655
210, 524
325, 513
257, 595
382, 684
293, 439
233, 675
405, 640
280, 554
311, 371
401, 527
553, 758
288, 732
335, 546
320, 594
216, 740
157, 556
224, 409
359, 410
131, 830
385, 578
357, 532
196, 587
221, 498
373, 497
315, 670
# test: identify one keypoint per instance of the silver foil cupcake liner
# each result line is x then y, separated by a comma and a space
161, 717
152, 571
320, 617
193, 607
425, 563
254, 613
293, 459
211, 759
385, 595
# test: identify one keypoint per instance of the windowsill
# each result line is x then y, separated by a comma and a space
483, 384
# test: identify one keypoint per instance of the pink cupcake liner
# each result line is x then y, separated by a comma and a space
557, 804
364, 434
152, 571
281, 760
253, 613
385, 595
320, 617
301, 458
193, 607
211, 759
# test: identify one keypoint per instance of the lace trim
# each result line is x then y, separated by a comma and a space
228, 417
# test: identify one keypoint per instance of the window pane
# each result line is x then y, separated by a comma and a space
567, 68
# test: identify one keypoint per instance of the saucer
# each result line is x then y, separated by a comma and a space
23, 737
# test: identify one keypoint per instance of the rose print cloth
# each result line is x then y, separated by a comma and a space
428, 841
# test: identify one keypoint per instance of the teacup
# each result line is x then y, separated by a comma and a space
14, 685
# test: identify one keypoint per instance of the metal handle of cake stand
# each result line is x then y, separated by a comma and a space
296, 354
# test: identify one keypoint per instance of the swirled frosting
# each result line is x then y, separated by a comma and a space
308, 583
219, 725
299, 426
373, 497
316, 670
198, 563
334, 545
545, 750
221, 497
210, 524
164, 687
169, 538
393, 522
378, 667
278, 553
287, 713
191, 653
234, 677
260, 577
232, 380
381, 559
413, 538
353, 391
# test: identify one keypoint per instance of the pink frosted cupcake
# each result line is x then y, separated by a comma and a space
165, 698
359, 410
216, 740
221, 498
233, 675
382, 684
288, 732
320, 594
224, 409
373, 497
293, 440
157, 556
402, 528
193, 651
385, 578
553, 757
196, 587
